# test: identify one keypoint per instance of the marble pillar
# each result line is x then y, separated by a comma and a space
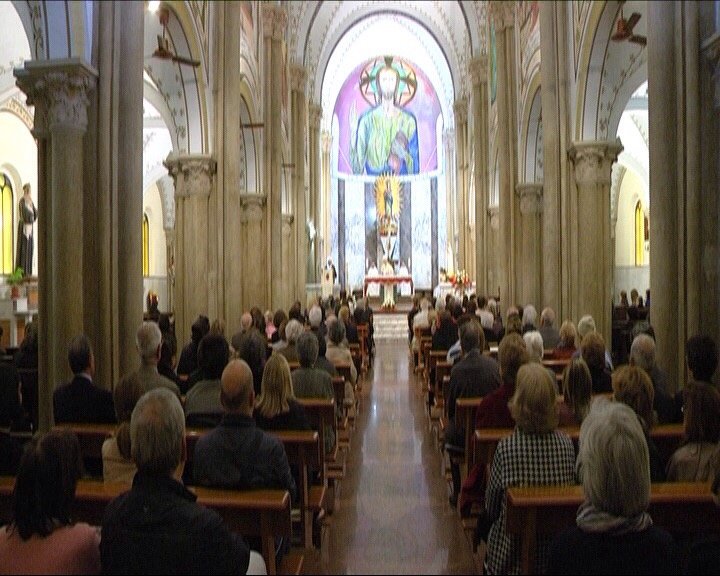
503, 18
167, 198
325, 188
289, 261
195, 263
252, 217
710, 119
316, 202
450, 196
493, 227
59, 91
274, 20
592, 162
460, 108
530, 196
230, 180
555, 126
298, 82
675, 196
480, 137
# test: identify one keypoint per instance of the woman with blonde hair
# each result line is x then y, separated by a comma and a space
577, 393
565, 347
536, 453
276, 408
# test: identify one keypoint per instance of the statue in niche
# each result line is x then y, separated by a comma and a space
25, 243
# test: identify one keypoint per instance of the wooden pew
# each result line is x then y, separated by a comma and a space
557, 366
356, 354
363, 335
465, 409
534, 511
253, 513
303, 448
667, 439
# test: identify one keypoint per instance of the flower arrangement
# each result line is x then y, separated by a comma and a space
460, 279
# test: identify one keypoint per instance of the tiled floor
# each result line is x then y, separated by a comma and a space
393, 515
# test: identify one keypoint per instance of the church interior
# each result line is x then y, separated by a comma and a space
204, 158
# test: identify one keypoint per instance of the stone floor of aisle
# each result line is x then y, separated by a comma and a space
393, 515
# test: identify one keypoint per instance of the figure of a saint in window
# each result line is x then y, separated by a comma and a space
385, 138
27, 217
388, 198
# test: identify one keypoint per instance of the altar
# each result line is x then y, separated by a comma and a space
391, 280
445, 288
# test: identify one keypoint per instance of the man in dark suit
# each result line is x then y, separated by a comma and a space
80, 400
474, 375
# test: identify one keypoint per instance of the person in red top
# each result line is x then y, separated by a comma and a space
493, 411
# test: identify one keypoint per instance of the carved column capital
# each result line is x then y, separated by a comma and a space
59, 90
252, 206
460, 108
287, 224
298, 78
478, 69
191, 173
593, 160
315, 116
502, 14
531, 197
274, 19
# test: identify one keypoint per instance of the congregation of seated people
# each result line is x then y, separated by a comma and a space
590, 375
239, 387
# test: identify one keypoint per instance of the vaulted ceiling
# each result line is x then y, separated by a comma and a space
316, 28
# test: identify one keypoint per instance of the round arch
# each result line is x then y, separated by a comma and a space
531, 133
609, 72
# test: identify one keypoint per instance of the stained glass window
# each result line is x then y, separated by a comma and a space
145, 246
6, 221
639, 235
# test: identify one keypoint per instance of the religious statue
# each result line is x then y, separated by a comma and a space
388, 198
387, 269
331, 268
385, 139
27, 217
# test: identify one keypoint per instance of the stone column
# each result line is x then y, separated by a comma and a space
493, 224
531, 198
710, 119
555, 124
274, 19
479, 75
252, 216
167, 199
317, 202
325, 186
59, 91
460, 108
289, 262
593, 284
129, 199
195, 277
503, 18
298, 81
231, 170
450, 196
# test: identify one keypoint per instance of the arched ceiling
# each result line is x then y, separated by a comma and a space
316, 28
14, 47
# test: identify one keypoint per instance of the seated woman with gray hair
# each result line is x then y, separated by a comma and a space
536, 453
614, 533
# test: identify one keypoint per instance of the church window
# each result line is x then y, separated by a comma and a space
639, 235
6, 218
145, 246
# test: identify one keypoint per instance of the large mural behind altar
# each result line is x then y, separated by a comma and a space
388, 192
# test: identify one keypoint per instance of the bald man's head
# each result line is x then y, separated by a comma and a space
246, 321
236, 388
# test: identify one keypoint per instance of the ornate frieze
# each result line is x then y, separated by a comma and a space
192, 173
